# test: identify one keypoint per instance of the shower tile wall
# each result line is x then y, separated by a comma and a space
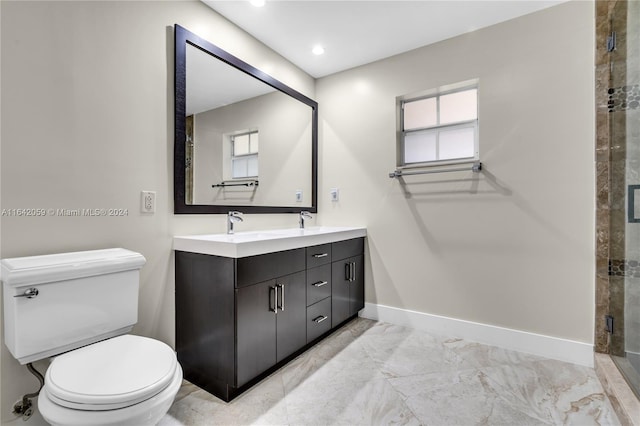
603, 156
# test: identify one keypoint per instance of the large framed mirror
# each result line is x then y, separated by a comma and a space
243, 140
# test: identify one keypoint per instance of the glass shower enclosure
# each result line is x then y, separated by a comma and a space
624, 129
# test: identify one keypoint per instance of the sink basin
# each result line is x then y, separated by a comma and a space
242, 244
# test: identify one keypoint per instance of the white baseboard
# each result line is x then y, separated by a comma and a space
550, 347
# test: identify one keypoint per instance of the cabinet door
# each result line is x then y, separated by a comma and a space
340, 302
256, 330
347, 288
292, 314
356, 285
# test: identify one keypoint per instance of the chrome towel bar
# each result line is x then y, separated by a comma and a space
225, 184
476, 168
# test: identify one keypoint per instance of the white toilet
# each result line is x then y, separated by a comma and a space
78, 307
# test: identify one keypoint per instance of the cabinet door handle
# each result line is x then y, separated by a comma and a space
281, 286
320, 283
319, 255
275, 299
319, 319
350, 271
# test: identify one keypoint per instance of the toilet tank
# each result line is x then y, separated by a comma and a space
82, 297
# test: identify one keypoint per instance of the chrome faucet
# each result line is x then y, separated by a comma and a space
233, 217
304, 214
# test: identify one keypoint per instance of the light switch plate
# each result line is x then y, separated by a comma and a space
334, 194
299, 195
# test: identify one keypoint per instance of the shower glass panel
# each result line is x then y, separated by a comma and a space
624, 254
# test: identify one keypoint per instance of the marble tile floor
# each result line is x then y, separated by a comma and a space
373, 373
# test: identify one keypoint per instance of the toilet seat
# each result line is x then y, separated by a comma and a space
111, 374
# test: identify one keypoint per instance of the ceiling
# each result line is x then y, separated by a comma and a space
358, 32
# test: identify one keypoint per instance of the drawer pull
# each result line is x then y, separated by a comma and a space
319, 319
318, 256
320, 283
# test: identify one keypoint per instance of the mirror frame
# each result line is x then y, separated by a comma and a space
182, 38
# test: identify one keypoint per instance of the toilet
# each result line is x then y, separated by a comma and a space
78, 308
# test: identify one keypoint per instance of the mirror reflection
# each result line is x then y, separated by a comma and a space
246, 142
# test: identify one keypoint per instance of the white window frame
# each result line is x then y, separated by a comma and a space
437, 128
242, 156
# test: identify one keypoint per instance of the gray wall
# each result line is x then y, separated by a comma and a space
513, 246
87, 122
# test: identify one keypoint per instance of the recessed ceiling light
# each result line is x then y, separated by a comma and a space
318, 50
257, 3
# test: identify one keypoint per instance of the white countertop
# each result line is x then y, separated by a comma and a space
243, 244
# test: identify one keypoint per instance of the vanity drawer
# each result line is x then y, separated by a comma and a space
348, 248
255, 269
318, 319
318, 283
318, 255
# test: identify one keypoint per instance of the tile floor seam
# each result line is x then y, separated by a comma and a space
404, 399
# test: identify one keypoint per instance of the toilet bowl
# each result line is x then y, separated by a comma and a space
78, 308
126, 380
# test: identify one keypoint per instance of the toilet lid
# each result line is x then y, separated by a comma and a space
111, 374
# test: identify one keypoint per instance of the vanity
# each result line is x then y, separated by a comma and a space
248, 303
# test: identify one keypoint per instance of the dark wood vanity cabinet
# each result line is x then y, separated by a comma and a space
239, 319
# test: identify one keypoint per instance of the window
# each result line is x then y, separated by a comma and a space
440, 128
244, 155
